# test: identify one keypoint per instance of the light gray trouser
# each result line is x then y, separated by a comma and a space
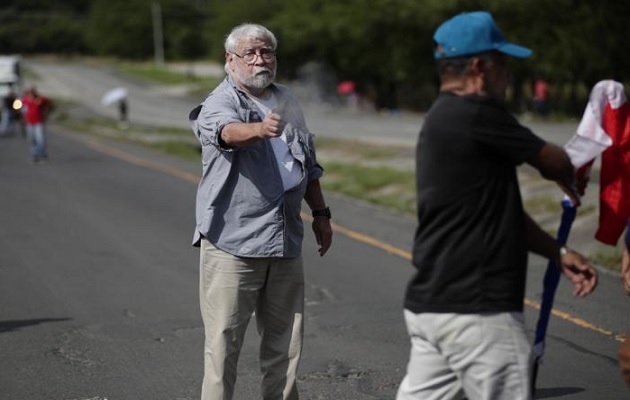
231, 290
487, 356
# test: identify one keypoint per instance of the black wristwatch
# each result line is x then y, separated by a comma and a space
323, 212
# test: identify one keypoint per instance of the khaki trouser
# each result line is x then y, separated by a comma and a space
231, 290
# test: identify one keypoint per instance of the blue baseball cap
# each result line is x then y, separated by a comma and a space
473, 33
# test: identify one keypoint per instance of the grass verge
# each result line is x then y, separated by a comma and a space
383, 186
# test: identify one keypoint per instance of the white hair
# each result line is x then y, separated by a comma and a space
248, 30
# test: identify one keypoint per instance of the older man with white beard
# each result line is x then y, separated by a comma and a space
258, 163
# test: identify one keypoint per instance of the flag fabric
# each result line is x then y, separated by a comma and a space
605, 129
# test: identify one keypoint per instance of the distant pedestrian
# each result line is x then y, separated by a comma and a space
464, 306
8, 114
541, 97
123, 108
259, 165
36, 110
348, 90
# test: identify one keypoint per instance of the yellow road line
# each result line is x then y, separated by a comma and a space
359, 237
143, 162
577, 321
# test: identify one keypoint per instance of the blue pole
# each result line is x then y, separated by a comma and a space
550, 284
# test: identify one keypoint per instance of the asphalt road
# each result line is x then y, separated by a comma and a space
98, 289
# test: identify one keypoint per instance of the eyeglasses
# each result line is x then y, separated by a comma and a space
250, 57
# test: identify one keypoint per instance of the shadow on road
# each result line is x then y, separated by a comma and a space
556, 392
8, 326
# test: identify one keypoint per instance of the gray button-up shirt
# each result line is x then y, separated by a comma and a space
242, 207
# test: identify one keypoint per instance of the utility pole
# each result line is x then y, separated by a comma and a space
158, 37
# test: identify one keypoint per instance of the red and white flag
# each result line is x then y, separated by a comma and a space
605, 130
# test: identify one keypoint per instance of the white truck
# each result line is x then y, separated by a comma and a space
11, 74
10, 106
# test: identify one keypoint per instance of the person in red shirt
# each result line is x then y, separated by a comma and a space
36, 108
541, 97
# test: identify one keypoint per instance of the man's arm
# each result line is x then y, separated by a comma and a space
240, 133
554, 164
572, 264
321, 224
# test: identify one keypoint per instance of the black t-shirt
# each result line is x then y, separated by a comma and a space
470, 247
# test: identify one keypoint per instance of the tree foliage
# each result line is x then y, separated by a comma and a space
385, 46
123, 29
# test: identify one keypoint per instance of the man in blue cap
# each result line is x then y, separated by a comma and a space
464, 306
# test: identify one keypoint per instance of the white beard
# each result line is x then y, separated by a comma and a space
260, 79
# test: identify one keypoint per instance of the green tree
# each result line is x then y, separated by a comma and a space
32, 26
185, 29
125, 29
121, 28
385, 46
226, 14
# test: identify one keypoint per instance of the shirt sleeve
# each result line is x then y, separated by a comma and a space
499, 132
315, 171
217, 112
